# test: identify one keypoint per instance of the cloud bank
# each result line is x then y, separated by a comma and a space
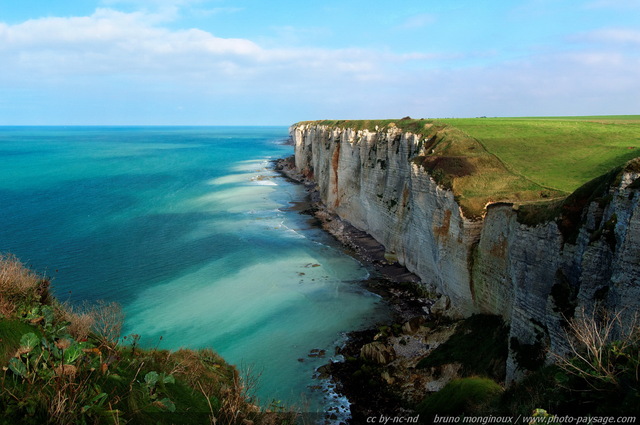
112, 64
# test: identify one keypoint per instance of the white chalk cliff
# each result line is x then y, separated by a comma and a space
534, 276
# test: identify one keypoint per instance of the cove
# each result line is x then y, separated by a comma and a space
191, 231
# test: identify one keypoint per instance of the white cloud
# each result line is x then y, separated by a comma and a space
291, 35
115, 64
418, 21
154, 3
205, 12
136, 45
586, 83
612, 35
129, 48
170, 10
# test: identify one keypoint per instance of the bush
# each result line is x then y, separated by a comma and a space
108, 319
604, 360
19, 286
598, 376
605, 349
463, 396
540, 389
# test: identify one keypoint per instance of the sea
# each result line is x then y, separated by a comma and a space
194, 234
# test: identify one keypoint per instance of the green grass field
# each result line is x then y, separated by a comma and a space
521, 160
559, 153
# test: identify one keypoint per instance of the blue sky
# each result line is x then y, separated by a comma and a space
244, 62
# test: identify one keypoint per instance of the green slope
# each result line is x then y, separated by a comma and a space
561, 153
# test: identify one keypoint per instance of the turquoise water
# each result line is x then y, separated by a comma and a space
188, 229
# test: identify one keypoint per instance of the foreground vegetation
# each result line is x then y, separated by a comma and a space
598, 376
62, 365
519, 160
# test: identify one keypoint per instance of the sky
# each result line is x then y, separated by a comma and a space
256, 62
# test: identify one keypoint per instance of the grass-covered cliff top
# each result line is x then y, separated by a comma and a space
521, 160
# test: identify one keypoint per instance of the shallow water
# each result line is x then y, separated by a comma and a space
189, 229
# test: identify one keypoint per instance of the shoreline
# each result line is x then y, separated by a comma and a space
392, 281
409, 302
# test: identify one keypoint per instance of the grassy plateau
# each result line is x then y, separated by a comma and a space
521, 160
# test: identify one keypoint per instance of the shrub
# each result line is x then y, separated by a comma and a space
80, 320
108, 319
604, 350
18, 285
466, 396
539, 389
597, 376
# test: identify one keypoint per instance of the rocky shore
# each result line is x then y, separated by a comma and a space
378, 373
392, 281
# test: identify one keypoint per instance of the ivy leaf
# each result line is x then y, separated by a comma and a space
29, 340
169, 379
17, 366
72, 353
151, 378
168, 404
47, 312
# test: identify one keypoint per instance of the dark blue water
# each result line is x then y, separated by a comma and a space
187, 228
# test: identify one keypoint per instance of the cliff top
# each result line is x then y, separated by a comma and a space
521, 160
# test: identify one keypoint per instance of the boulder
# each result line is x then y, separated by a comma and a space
378, 352
441, 305
413, 325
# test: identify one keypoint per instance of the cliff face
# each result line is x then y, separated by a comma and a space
534, 276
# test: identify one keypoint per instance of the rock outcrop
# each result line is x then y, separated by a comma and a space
535, 276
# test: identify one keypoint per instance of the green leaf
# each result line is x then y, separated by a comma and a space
168, 379
85, 345
151, 378
33, 313
29, 340
61, 328
57, 353
17, 366
72, 353
47, 312
168, 404
36, 352
98, 399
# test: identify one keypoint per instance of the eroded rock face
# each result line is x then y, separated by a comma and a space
534, 276
368, 179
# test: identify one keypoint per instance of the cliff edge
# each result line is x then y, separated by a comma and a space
490, 240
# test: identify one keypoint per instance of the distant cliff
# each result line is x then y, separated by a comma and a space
533, 265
